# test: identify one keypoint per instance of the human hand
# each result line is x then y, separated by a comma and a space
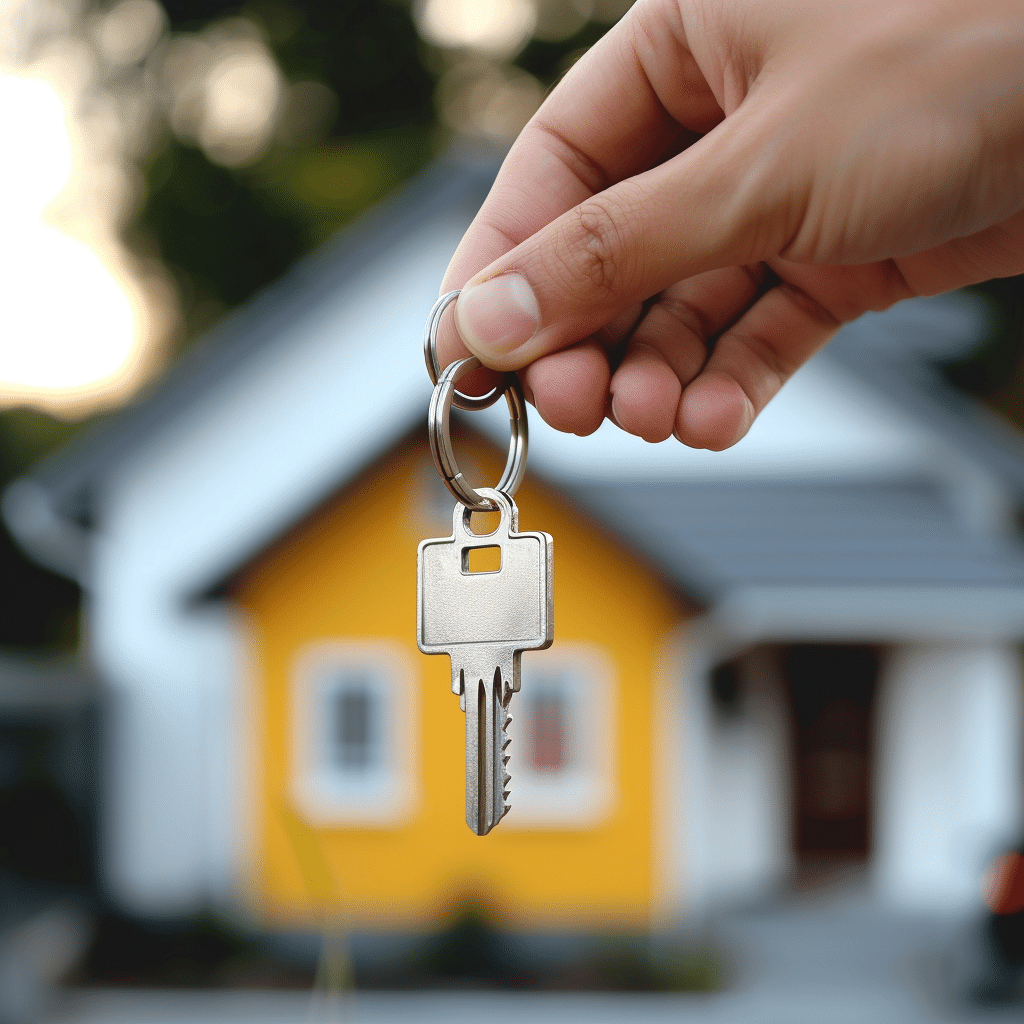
718, 185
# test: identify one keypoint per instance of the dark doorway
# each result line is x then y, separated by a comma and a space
831, 690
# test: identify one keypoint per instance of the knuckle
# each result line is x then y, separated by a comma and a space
597, 247
815, 310
775, 368
688, 316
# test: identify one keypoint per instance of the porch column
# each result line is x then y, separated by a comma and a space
735, 792
948, 771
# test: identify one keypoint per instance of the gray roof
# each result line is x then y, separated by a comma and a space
711, 537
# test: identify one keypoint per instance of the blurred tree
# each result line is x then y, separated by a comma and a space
226, 231
994, 371
38, 609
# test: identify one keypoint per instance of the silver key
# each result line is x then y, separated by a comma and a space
484, 621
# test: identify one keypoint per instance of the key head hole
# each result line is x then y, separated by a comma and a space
482, 559
482, 524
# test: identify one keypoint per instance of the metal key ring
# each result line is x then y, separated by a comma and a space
470, 403
439, 432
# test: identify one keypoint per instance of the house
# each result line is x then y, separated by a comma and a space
770, 663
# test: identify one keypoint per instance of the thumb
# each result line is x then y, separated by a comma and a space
718, 203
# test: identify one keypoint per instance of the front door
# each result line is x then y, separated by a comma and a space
831, 692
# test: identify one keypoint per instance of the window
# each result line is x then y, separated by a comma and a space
357, 740
353, 730
546, 741
562, 740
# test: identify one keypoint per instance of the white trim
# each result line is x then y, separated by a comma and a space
584, 795
670, 799
734, 789
388, 795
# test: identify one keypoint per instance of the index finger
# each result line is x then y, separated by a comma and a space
623, 107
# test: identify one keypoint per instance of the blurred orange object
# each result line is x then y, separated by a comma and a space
1004, 884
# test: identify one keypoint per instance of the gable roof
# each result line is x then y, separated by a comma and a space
850, 558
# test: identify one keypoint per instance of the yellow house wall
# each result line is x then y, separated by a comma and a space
350, 572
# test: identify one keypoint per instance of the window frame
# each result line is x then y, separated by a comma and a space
583, 796
388, 795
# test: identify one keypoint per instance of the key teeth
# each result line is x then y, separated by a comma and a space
505, 741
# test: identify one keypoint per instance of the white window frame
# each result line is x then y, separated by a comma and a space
384, 797
584, 795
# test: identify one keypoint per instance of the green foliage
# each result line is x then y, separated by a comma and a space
994, 371
26, 435
549, 61
38, 609
367, 51
225, 233
472, 951
214, 231
323, 188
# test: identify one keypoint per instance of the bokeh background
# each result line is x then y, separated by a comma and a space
163, 162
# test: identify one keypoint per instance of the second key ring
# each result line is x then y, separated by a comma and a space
470, 403
439, 433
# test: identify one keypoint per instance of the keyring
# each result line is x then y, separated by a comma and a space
470, 403
439, 432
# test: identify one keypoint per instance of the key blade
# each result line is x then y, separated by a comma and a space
486, 752
475, 699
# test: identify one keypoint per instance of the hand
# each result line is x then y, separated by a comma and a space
718, 185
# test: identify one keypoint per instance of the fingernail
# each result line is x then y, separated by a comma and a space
498, 316
612, 414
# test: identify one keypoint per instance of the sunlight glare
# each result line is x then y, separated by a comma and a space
499, 28
38, 162
65, 322
67, 325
